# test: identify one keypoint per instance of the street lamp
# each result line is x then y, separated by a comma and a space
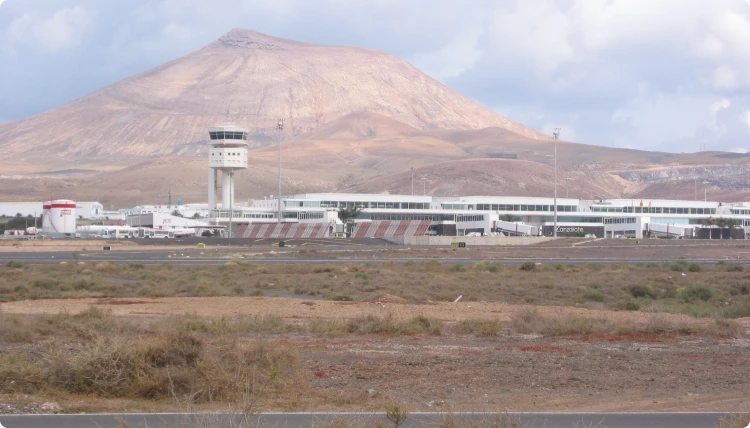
555, 135
567, 187
424, 186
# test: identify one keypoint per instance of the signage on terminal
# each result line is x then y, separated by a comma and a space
567, 229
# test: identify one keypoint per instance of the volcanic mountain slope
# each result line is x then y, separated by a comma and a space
253, 80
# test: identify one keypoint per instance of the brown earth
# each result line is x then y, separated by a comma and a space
605, 372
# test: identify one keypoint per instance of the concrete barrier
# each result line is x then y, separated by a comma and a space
471, 241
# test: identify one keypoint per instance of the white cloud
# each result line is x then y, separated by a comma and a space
459, 55
726, 79
61, 30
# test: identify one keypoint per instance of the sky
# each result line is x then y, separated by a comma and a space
669, 75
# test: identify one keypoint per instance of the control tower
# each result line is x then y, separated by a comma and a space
227, 152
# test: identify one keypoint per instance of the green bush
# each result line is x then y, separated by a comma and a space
696, 292
458, 268
735, 268
694, 267
678, 266
642, 291
592, 295
528, 266
486, 266
14, 265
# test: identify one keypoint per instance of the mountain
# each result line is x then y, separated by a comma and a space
250, 79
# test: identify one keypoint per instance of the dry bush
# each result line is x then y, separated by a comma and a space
19, 374
739, 420
172, 364
533, 321
503, 420
479, 327
106, 268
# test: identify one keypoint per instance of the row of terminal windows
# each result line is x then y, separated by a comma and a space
431, 217
310, 216
654, 210
463, 218
541, 208
740, 212
227, 135
619, 220
361, 204
228, 154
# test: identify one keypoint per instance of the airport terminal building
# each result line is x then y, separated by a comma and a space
500, 216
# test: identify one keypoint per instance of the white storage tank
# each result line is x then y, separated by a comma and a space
59, 218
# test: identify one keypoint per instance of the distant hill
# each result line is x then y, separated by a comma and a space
253, 80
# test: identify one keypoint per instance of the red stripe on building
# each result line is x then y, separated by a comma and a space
63, 206
401, 229
382, 229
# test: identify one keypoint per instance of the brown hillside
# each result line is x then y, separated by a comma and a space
250, 79
493, 177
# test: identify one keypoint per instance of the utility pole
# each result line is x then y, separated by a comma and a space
567, 187
424, 186
280, 128
555, 135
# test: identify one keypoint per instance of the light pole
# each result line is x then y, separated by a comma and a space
555, 135
280, 128
231, 203
695, 185
412, 181
567, 187
705, 191
424, 186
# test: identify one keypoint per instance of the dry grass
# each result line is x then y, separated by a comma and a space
712, 291
533, 321
97, 354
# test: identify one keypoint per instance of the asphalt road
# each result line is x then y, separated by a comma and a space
527, 420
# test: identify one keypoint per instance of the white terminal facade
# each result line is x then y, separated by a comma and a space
505, 215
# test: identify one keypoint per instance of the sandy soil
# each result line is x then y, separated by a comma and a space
457, 372
292, 308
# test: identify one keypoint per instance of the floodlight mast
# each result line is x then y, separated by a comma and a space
280, 128
555, 135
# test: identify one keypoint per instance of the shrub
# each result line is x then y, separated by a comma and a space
458, 267
528, 266
13, 265
480, 327
421, 324
735, 268
678, 266
592, 295
695, 292
694, 267
486, 266
638, 291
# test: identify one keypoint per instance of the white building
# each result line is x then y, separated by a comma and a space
487, 215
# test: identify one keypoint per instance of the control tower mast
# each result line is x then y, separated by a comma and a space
227, 152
